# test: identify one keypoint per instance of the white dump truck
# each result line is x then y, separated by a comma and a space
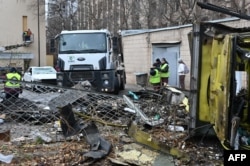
90, 55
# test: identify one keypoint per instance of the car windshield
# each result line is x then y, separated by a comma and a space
44, 70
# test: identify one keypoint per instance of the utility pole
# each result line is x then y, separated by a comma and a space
38, 28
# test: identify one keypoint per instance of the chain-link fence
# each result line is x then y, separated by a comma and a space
50, 125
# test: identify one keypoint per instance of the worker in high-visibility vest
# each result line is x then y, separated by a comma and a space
164, 71
12, 86
155, 78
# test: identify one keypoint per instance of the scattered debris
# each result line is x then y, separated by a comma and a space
99, 147
6, 159
41, 135
140, 113
74, 119
4, 134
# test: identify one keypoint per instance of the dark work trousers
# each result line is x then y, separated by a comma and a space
11, 95
11, 92
156, 86
182, 81
164, 80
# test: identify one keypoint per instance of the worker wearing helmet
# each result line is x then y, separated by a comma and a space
12, 86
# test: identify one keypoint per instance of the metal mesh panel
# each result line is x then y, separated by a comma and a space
47, 124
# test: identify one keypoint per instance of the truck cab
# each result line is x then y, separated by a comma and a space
88, 55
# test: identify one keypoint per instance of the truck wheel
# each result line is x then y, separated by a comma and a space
122, 84
117, 87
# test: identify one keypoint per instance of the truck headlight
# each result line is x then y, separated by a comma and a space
106, 82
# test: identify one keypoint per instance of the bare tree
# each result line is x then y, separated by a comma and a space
34, 5
62, 16
131, 14
135, 15
125, 12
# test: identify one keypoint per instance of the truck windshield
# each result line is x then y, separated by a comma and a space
83, 43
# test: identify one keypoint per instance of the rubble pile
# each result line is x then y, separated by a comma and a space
168, 108
85, 128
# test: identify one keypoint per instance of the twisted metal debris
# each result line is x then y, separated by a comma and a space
34, 119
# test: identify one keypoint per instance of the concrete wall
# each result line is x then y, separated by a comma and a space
137, 47
12, 27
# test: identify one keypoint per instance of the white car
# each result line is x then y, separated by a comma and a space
45, 74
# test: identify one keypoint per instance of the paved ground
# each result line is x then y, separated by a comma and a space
133, 87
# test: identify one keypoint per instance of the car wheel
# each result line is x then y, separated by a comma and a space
24, 84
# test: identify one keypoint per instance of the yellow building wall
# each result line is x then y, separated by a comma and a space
49, 60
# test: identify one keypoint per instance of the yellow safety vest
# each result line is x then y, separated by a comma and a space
164, 75
156, 78
12, 80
